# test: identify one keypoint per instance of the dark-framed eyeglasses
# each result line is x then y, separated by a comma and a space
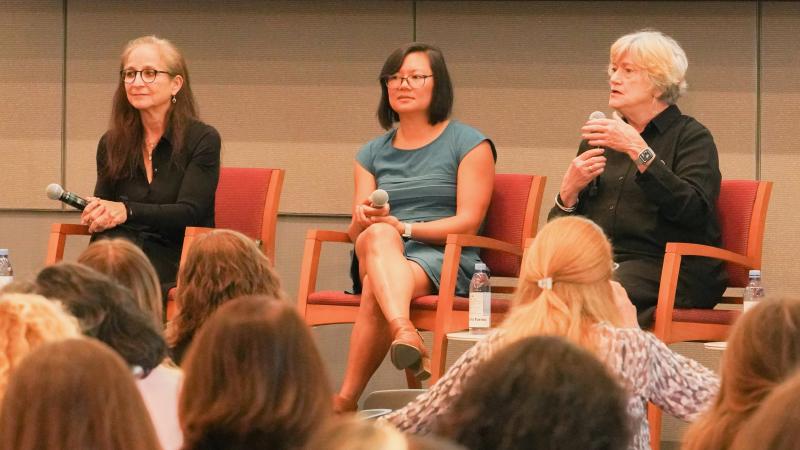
148, 75
414, 81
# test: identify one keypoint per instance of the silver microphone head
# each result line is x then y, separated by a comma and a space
597, 115
378, 198
54, 191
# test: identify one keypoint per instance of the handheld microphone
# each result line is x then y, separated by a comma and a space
593, 184
56, 192
379, 198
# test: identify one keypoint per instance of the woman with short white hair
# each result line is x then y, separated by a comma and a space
649, 175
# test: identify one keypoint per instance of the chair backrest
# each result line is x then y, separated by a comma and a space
513, 217
247, 201
742, 212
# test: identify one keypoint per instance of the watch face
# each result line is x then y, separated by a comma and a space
646, 155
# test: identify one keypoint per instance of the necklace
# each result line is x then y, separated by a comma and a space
149, 148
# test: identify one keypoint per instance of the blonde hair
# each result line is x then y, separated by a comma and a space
125, 263
351, 433
26, 322
660, 56
776, 424
763, 350
575, 254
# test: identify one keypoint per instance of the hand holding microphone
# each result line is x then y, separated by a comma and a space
98, 214
375, 205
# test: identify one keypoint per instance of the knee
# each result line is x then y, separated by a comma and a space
377, 237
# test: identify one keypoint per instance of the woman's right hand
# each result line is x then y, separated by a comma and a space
581, 171
364, 213
626, 309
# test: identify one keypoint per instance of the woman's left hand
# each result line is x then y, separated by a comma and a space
615, 134
391, 220
105, 215
623, 303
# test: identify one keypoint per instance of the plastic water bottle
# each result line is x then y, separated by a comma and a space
754, 292
480, 300
6, 272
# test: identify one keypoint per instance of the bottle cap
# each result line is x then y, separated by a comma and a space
755, 273
481, 266
3, 252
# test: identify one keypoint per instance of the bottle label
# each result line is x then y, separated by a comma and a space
480, 309
4, 280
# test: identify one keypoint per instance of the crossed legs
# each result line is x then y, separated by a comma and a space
389, 283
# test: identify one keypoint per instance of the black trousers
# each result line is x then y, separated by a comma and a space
700, 284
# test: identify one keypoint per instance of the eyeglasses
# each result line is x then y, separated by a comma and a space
148, 75
414, 81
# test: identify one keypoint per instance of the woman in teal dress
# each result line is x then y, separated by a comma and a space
439, 175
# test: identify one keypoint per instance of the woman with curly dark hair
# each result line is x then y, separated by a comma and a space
254, 377
540, 393
219, 266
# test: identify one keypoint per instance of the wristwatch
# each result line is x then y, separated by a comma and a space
645, 156
406, 230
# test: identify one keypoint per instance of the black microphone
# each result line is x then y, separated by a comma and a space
593, 184
56, 192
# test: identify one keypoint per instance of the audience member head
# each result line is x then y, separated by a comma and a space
219, 266
564, 285
28, 321
74, 394
439, 85
352, 433
763, 350
540, 392
776, 423
126, 264
106, 311
253, 375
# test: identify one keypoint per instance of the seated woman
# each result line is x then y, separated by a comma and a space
776, 423
566, 289
74, 394
126, 264
763, 351
439, 175
649, 176
254, 377
157, 165
220, 265
540, 393
26, 322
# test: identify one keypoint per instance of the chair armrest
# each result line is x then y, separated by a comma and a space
196, 231
310, 264
58, 239
471, 240
686, 249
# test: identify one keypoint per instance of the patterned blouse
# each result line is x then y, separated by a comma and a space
646, 367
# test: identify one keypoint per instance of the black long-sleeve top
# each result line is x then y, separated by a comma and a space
674, 200
182, 190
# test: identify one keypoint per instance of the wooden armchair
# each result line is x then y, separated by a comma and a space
742, 212
512, 218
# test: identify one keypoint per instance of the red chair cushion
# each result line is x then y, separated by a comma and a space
336, 298
428, 302
734, 210
505, 221
240, 199
715, 316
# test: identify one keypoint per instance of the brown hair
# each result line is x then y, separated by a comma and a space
575, 255
74, 394
776, 424
26, 322
253, 375
219, 266
125, 137
763, 350
126, 264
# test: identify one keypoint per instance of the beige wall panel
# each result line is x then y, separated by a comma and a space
31, 56
529, 73
291, 81
779, 151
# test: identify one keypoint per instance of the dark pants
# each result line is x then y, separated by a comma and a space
700, 284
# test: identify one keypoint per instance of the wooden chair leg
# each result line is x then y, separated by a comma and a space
438, 355
654, 420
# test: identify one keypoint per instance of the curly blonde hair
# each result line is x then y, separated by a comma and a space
26, 322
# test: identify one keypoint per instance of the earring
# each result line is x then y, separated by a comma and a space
174, 100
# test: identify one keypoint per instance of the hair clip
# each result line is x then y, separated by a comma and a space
545, 283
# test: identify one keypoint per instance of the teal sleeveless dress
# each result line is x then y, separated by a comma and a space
422, 187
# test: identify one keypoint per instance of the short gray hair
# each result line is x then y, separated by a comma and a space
660, 56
